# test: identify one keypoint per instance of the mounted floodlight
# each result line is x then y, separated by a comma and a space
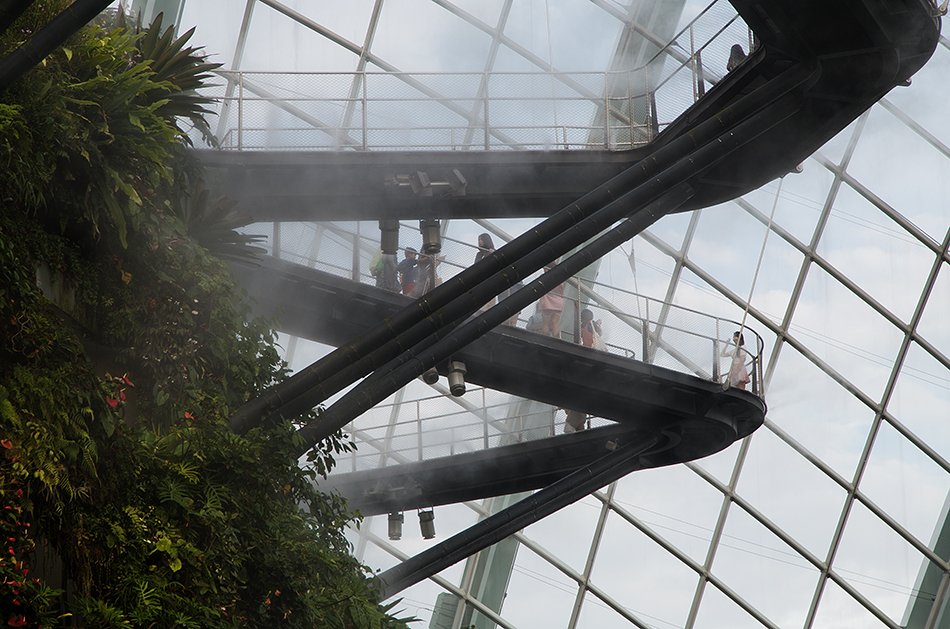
420, 184
457, 182
457, 378
395, 526
427, 523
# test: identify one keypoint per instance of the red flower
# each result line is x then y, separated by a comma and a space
112, 403
127, 381
6, 443
189, 415
17, 621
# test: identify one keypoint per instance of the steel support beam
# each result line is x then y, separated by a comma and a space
613, 466
48, 39
425, 354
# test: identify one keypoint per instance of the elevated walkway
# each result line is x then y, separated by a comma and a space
862, 49
694, 414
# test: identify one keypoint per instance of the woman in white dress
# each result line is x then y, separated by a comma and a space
738, 374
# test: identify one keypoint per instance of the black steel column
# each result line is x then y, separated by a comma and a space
436, 347
10, 10
48, 38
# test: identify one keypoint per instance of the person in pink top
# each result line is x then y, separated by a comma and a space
551, 305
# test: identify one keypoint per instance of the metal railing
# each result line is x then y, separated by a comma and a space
663, 334
634, 326
643, 329
439, 426
383, 111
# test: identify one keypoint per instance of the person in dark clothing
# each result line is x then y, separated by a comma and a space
427, 274
485, 246
407, 271
736, 57
591, 332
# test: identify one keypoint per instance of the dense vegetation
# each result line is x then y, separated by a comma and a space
114, 457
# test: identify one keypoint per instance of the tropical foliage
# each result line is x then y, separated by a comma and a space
117, 377
216, 226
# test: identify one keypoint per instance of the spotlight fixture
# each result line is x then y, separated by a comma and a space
457, 378
389, 236
420, 184
454, 185
430, 376
427, 523
431, 229
395, 526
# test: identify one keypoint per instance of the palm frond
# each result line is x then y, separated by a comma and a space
214, 225
178, 71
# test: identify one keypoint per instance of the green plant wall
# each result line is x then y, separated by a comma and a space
113, 446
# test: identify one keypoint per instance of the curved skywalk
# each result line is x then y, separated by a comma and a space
853, 79
688, 404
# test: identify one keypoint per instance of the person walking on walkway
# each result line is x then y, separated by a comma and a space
738, 374
407, 271
485, 248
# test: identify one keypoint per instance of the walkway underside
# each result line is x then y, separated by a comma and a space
694, 415
522, 467
863, 49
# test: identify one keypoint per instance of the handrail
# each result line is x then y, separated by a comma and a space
424, 429
320, 111
635, 326
676, 347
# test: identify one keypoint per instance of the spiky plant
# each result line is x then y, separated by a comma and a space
180, 71
214, 225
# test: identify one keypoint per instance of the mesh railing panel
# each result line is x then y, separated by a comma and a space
502, 110
434, 427
633, 325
